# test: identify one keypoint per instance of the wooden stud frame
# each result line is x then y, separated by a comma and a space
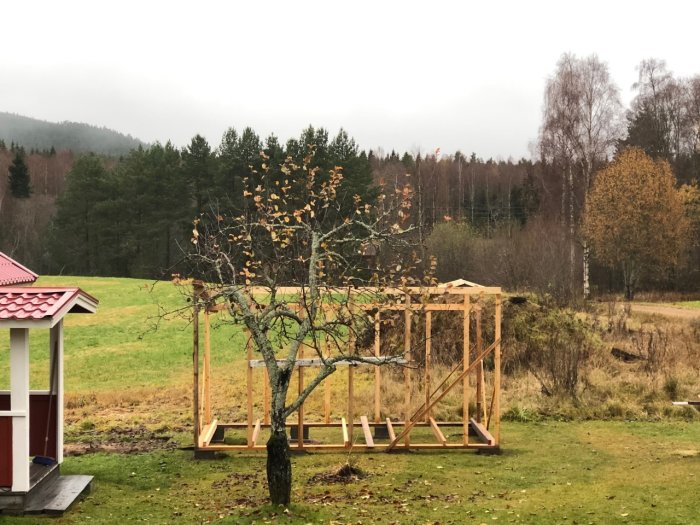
398, 422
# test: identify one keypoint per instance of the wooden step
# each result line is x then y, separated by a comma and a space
40, 476
57, 497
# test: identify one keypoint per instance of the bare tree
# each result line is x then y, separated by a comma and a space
295, 233
665, 117
581, 124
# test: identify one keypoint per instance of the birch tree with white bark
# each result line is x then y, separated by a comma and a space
582, 122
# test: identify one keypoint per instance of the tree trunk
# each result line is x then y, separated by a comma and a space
572, 230
586, 248
279, 466
586, 271
629, 275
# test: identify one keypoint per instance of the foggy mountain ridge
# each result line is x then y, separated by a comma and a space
78, 137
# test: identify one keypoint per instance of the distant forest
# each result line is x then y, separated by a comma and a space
511, 223
40, 135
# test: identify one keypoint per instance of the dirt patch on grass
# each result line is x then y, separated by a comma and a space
346, 473
119, 441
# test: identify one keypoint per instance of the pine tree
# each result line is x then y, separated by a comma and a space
199, 170
19, 177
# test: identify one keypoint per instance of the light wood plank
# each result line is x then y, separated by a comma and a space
207, 433
367, 431
408, 316
351, 390
249, 390
207, 368
256, 432
195, 370
428, 348
481, 431
317, 361
266, 396
390, 429
497, 374
346, 437
300, 411
465, 366
377, 370
480, 391
327, 388
416, 307
359, 447
437, 432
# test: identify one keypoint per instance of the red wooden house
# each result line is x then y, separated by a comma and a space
31, 421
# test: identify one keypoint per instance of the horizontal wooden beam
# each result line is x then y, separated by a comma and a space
311, 424
381, 360
368, 290
417, 307
428, 290
358, 446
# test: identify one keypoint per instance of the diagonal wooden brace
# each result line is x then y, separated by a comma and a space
424, 409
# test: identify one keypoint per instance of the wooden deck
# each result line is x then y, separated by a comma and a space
50, 493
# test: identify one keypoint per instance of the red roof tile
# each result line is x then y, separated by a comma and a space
12, 272
27, 304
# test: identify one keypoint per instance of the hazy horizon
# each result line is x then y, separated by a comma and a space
403, 76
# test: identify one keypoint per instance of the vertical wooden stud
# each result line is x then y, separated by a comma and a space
300, 412
327, 386
249, 386
195, 368
497, 373
465, 367
351, 389
377, 369
207, 369
266, 396
428, 337
407, 370
480, 393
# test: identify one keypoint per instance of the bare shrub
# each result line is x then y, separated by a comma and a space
454, 246
553, 345
534, 257
652, 344
618, 317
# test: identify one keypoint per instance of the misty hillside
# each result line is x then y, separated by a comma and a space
74, 136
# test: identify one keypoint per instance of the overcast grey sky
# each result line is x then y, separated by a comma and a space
404, 75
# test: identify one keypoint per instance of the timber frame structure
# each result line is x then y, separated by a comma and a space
482, 431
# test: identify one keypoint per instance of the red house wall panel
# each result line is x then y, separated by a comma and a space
5, 452
38, 418
5, 444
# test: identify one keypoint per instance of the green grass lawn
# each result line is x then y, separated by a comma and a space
688, 304
125, 344
549, 473
121, 373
